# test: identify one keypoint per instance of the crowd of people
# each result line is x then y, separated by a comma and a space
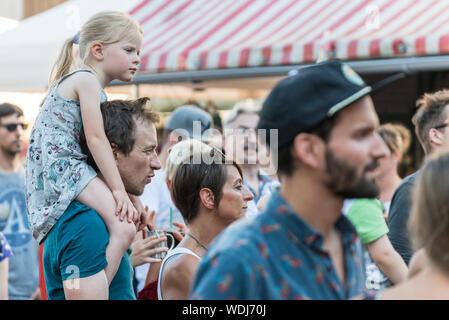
92, 212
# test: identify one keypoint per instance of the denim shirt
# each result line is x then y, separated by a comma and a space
277, 255
266, 186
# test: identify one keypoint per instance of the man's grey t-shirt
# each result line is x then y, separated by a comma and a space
398, 216
23, 277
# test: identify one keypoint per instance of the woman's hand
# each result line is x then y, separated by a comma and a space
144, 248
179, 235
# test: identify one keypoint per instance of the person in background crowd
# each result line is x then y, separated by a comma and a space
185, 122
301, 246
240, 143
5, 253
212, 108
208, 189
431, 122
429, 228
397, 138
24, 264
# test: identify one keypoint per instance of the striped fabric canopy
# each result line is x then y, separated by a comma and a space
211, 34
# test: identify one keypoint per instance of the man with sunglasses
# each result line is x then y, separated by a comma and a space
23, 275
431, 121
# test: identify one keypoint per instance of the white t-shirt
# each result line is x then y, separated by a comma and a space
157, 197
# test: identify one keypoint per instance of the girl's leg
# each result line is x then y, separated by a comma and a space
121, 233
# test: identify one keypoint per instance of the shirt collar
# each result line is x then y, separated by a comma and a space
298, 230
263, 180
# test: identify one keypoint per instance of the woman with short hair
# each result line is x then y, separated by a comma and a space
207, 188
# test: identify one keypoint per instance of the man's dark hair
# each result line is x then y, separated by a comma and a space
323, 130
119, 119
430, 113
7, 109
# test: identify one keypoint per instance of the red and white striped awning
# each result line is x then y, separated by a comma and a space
212, 34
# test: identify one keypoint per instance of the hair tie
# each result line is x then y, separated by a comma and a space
76, 38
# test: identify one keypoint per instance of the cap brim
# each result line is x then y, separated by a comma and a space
384, 82
346, 102
367, 90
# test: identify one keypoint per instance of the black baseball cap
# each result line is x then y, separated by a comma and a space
300, 102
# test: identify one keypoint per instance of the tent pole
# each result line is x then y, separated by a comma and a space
134, 91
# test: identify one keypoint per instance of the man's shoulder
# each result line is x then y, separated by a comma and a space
404, 188
80, 229
80, 220
409, 181
80, 211
11, 179
401, 201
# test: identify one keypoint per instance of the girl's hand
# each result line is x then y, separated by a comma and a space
142, 214
146, 218
124, 206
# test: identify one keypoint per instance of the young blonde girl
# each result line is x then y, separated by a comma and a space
56, 171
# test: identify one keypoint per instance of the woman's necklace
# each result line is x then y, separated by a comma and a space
196, 240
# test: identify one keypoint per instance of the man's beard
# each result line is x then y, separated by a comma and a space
343, 179
11, 152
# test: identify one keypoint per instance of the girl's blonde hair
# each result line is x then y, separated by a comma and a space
429, 217
105, 27
397, 138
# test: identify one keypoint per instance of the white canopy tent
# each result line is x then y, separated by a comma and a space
28, 51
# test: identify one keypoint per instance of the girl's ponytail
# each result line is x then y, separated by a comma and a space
63, 63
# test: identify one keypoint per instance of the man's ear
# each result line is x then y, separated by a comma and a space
309, 149
435, 137
207, 198
97, 50
115, 151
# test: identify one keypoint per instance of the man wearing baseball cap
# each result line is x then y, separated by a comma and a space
301, 246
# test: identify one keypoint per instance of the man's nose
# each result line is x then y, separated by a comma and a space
19, 131
155, 164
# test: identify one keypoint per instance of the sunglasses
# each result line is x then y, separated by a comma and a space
11, 127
